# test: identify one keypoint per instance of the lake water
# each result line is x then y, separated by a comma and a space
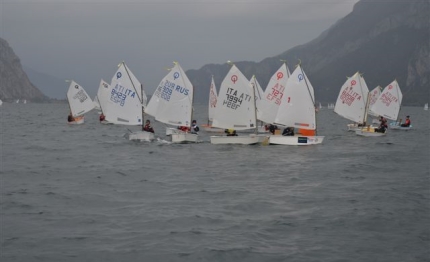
85, 193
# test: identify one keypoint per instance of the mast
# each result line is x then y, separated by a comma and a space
255, 104
366, 109
310, 94
143, 109
366, 106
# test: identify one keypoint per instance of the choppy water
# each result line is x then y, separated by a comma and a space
84, 193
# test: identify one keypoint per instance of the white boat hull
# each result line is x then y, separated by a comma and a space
184, 137
141, 136
396, 126
239, 140
369, 132
295, 140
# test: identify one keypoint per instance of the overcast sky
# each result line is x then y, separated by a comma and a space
84, 40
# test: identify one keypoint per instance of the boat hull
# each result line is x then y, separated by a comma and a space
238, 140
295, 140
184, 138
141, 136
396, 126
369, 132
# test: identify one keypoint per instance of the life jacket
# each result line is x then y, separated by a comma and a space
184, 128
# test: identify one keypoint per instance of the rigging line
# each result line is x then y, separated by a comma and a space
312, 98
126, 69
307, 86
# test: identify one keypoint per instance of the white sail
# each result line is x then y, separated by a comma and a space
273, 94
124, 105
374, 94
103, 96
96, 103
298, 102
389, 102
426, 106
259, 93
1, 102
352, 99
213, 96
236, 106
79, 101
172, 101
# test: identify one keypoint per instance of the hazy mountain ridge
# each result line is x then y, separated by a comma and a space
52, 86
14, 83
383, 40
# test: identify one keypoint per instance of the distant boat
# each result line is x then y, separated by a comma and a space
1, 102
213, 96
103, 97
373, 96
352, 101
297, 110
426, 106
268, 107
387, 105
172, 103
79, 103
17, 101
235, 109
126, 102
24, 101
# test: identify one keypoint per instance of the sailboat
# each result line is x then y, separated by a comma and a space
387, 105
103, 97
373, 96
351, 102
235, 109
268, 108
426, 106
126, 102
79, 103
1, 102
297, 110
172, 103
213, 96
259, 97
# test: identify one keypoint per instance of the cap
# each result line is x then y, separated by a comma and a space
407, 116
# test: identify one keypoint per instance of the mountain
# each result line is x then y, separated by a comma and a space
50, 85
14, 83
384, 40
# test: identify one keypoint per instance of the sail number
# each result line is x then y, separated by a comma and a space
168, 88
348, 96
234, 100
387, 98
276, 94
81, 96
119, 94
